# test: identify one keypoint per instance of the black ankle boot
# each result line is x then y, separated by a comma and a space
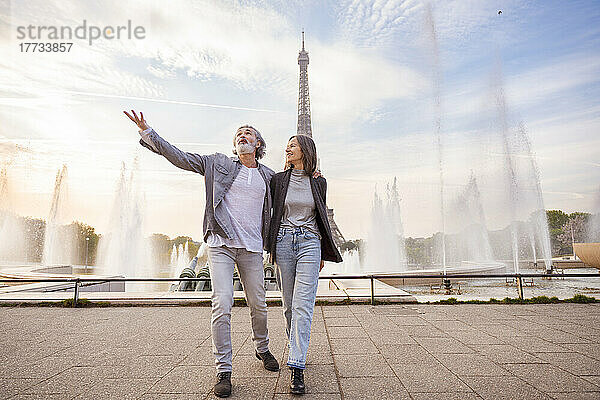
223, 386
297, 381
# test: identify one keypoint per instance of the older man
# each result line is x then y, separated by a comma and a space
236, 219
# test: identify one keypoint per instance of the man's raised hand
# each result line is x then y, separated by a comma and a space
139, 121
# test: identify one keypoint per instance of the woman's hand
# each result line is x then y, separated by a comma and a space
317, 174
322, 265
140, 122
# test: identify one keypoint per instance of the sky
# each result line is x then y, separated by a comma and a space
203, 69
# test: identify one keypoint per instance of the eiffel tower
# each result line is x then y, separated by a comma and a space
305, 128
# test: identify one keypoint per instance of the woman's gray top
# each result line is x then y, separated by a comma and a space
299, 208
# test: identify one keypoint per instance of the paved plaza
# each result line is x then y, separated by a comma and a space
407, 351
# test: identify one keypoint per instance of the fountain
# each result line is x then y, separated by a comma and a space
12, 231
59, 238
472, 241
385, 251
463, 243
437, 103
123, 250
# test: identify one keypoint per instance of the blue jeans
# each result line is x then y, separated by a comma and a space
298, 257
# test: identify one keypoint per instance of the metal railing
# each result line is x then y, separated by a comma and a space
78, 282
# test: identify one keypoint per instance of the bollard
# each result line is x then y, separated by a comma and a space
76, 294
372, 292
520, 285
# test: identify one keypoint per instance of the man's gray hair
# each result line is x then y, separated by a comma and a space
262, 149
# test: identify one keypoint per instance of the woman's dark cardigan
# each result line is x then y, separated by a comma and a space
279, 186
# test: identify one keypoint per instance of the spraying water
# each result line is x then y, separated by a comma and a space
538, 224
12, 231
437, 105
58, 238
472, 242
509, 164
173, 263
123, 250
385, 251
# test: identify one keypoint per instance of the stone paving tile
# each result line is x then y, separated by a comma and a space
471, 364
43, 368
405, 354
312, 396
474, 337
73, 381
362, 365
536, 345
132, 371
580, 396
423, 378
347, 321
443, 345
445, 396
37, 396
549, 378
424, 331
341, 332
335, 311
318, 354
186, 379
376, 388
390, 338
319, 379
353, 346
574, 363
589, 349
202, 355
249, 388
319, 339
250, 366
507, 388
173, 396
408, 320
506, 354
10, 387
560, 337
276, 344
451, 325
595, 379
117, 389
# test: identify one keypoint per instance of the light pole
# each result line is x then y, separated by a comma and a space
87, 244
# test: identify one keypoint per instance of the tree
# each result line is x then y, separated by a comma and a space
556, 221
83, 232
161, 248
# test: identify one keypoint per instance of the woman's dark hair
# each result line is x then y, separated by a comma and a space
309, 153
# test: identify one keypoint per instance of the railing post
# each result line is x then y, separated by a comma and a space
372, 291
76, 293
520, 285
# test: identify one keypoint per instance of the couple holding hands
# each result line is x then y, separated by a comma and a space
249, 208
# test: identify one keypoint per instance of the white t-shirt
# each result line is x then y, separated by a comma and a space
244, 204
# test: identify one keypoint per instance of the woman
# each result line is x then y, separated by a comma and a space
299, 241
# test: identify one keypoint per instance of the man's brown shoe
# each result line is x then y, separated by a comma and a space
223, 386
269, 361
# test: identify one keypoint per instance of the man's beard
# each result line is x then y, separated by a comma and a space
245, 148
